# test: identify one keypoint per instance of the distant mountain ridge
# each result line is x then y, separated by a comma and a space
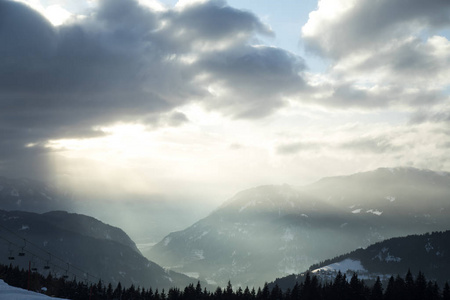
271, 231
32, 195
81, 246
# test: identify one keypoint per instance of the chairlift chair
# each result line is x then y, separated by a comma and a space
33, 267
11, 256
65, 276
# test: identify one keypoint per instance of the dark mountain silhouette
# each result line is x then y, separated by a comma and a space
80, 246
427, 253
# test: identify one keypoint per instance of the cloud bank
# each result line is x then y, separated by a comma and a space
124, 62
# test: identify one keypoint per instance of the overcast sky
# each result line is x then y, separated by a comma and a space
202, 99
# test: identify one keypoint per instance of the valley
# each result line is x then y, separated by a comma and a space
258, 235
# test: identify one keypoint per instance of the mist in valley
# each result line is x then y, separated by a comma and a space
230, 140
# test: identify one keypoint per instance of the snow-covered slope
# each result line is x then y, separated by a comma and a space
271, 231
13, 293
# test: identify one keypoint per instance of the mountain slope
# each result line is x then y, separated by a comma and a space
79, 246
427, 253
272, 231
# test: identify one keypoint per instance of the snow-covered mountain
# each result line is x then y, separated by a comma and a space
427, 253
78, 246
271, 231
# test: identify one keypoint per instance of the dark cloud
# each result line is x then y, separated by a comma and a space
242, 93
126, 63
207, 26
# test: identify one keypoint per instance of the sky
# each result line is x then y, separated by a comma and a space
201, 99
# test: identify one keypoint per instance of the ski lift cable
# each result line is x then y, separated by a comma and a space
73, 267
41, 249
49, 262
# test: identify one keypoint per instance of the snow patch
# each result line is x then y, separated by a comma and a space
192, 274
167, 241
288, 235
199, 254
210, 281
356, 211
203, 234
428, 247
14, 193
384, 255
390, 198
392, 258
251, 203
375, 212
24, 227
343, 266
304, 215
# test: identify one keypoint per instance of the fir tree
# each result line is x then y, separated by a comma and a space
377, 290
446, 292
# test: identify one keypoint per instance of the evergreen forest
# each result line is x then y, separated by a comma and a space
408, 287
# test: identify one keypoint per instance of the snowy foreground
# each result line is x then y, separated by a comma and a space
13, 293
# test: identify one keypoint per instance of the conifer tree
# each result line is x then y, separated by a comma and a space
377, 290
265, 293
420, 286
446, 292
389, 294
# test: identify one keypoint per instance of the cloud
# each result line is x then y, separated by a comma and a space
358, 145
124, 63
206, 26
340, 28
442, 116
296, 147
372, 145
381, 53
253, 81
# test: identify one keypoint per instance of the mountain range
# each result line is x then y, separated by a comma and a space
258, 235
272, 231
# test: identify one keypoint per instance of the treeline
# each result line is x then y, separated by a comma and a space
397, 288
424, 252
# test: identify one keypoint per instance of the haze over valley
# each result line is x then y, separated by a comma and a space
164, 143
